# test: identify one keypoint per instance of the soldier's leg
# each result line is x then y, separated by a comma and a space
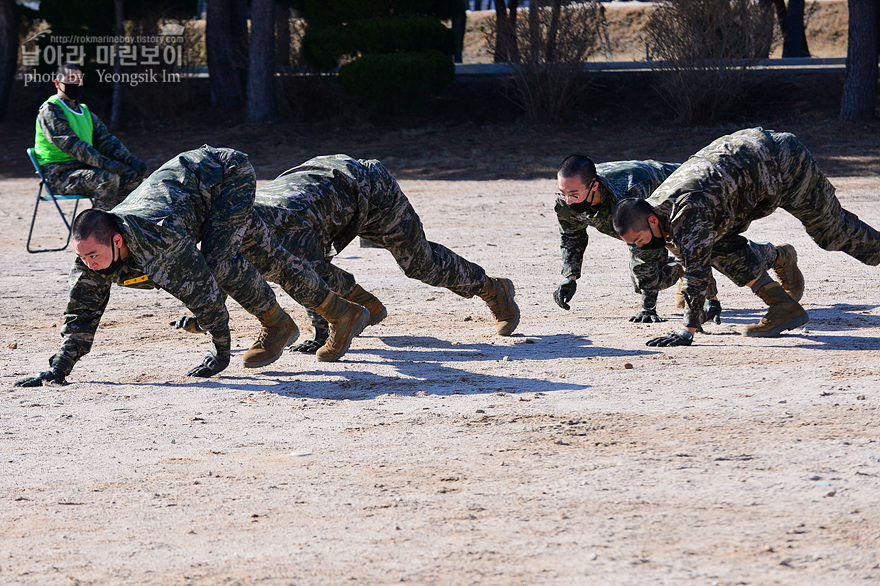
394, 225
76, 178
814, 203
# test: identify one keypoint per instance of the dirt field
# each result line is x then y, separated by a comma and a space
438, 453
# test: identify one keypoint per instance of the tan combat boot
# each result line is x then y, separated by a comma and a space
790, 276
785, 313
368, 300
346, 320
278, 332
498, 294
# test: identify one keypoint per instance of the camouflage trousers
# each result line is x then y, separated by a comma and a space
107, 189
223, 231
812, 200
665, 275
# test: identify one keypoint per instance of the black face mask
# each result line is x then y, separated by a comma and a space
114, 266
584, 206
655, 243
72, 91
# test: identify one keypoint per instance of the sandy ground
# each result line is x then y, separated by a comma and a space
438, 453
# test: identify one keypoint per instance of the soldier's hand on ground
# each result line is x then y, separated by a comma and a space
647, 316
564, 292
49, 377
712, 310
217, 360
187, 323
679, 338
307, 347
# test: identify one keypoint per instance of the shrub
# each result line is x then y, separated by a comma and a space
550, 45
701, 50
390, 81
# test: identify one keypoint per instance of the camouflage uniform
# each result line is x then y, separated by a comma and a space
316, 209
201, 195
102, 169
650, 270
712, 198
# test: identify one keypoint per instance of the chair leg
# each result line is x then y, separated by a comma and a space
63, 218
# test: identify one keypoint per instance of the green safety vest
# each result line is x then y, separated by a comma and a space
81, 123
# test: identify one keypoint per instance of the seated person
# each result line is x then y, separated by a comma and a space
76, 151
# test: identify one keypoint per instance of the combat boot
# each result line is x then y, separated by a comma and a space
346, 320
790, 276
785, 313
498, 294
368, 300
278, 332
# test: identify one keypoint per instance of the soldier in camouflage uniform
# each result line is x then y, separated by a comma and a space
587, 196
76, 151
149, 241
319, 207
702, 209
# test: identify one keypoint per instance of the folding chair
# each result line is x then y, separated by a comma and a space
49, 196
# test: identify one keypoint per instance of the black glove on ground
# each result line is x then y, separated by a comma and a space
217, 360
712, 309
187, 323
564, 292
647, 316
49, 377
679, 338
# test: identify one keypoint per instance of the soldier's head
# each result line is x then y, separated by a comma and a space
69, 81
97, 240
578, 186
637, 223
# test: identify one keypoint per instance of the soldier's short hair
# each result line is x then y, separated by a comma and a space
631, 214
578, 166
66, 68
96, 224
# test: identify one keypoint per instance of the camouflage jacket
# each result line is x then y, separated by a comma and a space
617, 181
104, 149
718, 192
331, 194
161, 223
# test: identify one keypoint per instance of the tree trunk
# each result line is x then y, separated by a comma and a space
554, 30
794, 43
860, 86
282, 33
459, 24
116, 99
261, 108
8, 51
502, 36
534, 30
224, 68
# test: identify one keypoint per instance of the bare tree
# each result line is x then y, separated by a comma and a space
8, 51
506, 50
227, 54
282, 33
860, 86
261, 105
794, 32
116, 99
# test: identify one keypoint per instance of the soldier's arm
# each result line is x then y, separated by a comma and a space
87, 300
108, 145
693, 227
573, 240
57, 130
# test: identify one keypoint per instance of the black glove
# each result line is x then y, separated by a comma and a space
648, 314
187, 323
679, 338
322, 332
139, 167
116, 167
712, 310
217, 360
564, 292
49, 377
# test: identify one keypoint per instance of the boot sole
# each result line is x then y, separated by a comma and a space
355, 331
510, 328
789, 324
290, 340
